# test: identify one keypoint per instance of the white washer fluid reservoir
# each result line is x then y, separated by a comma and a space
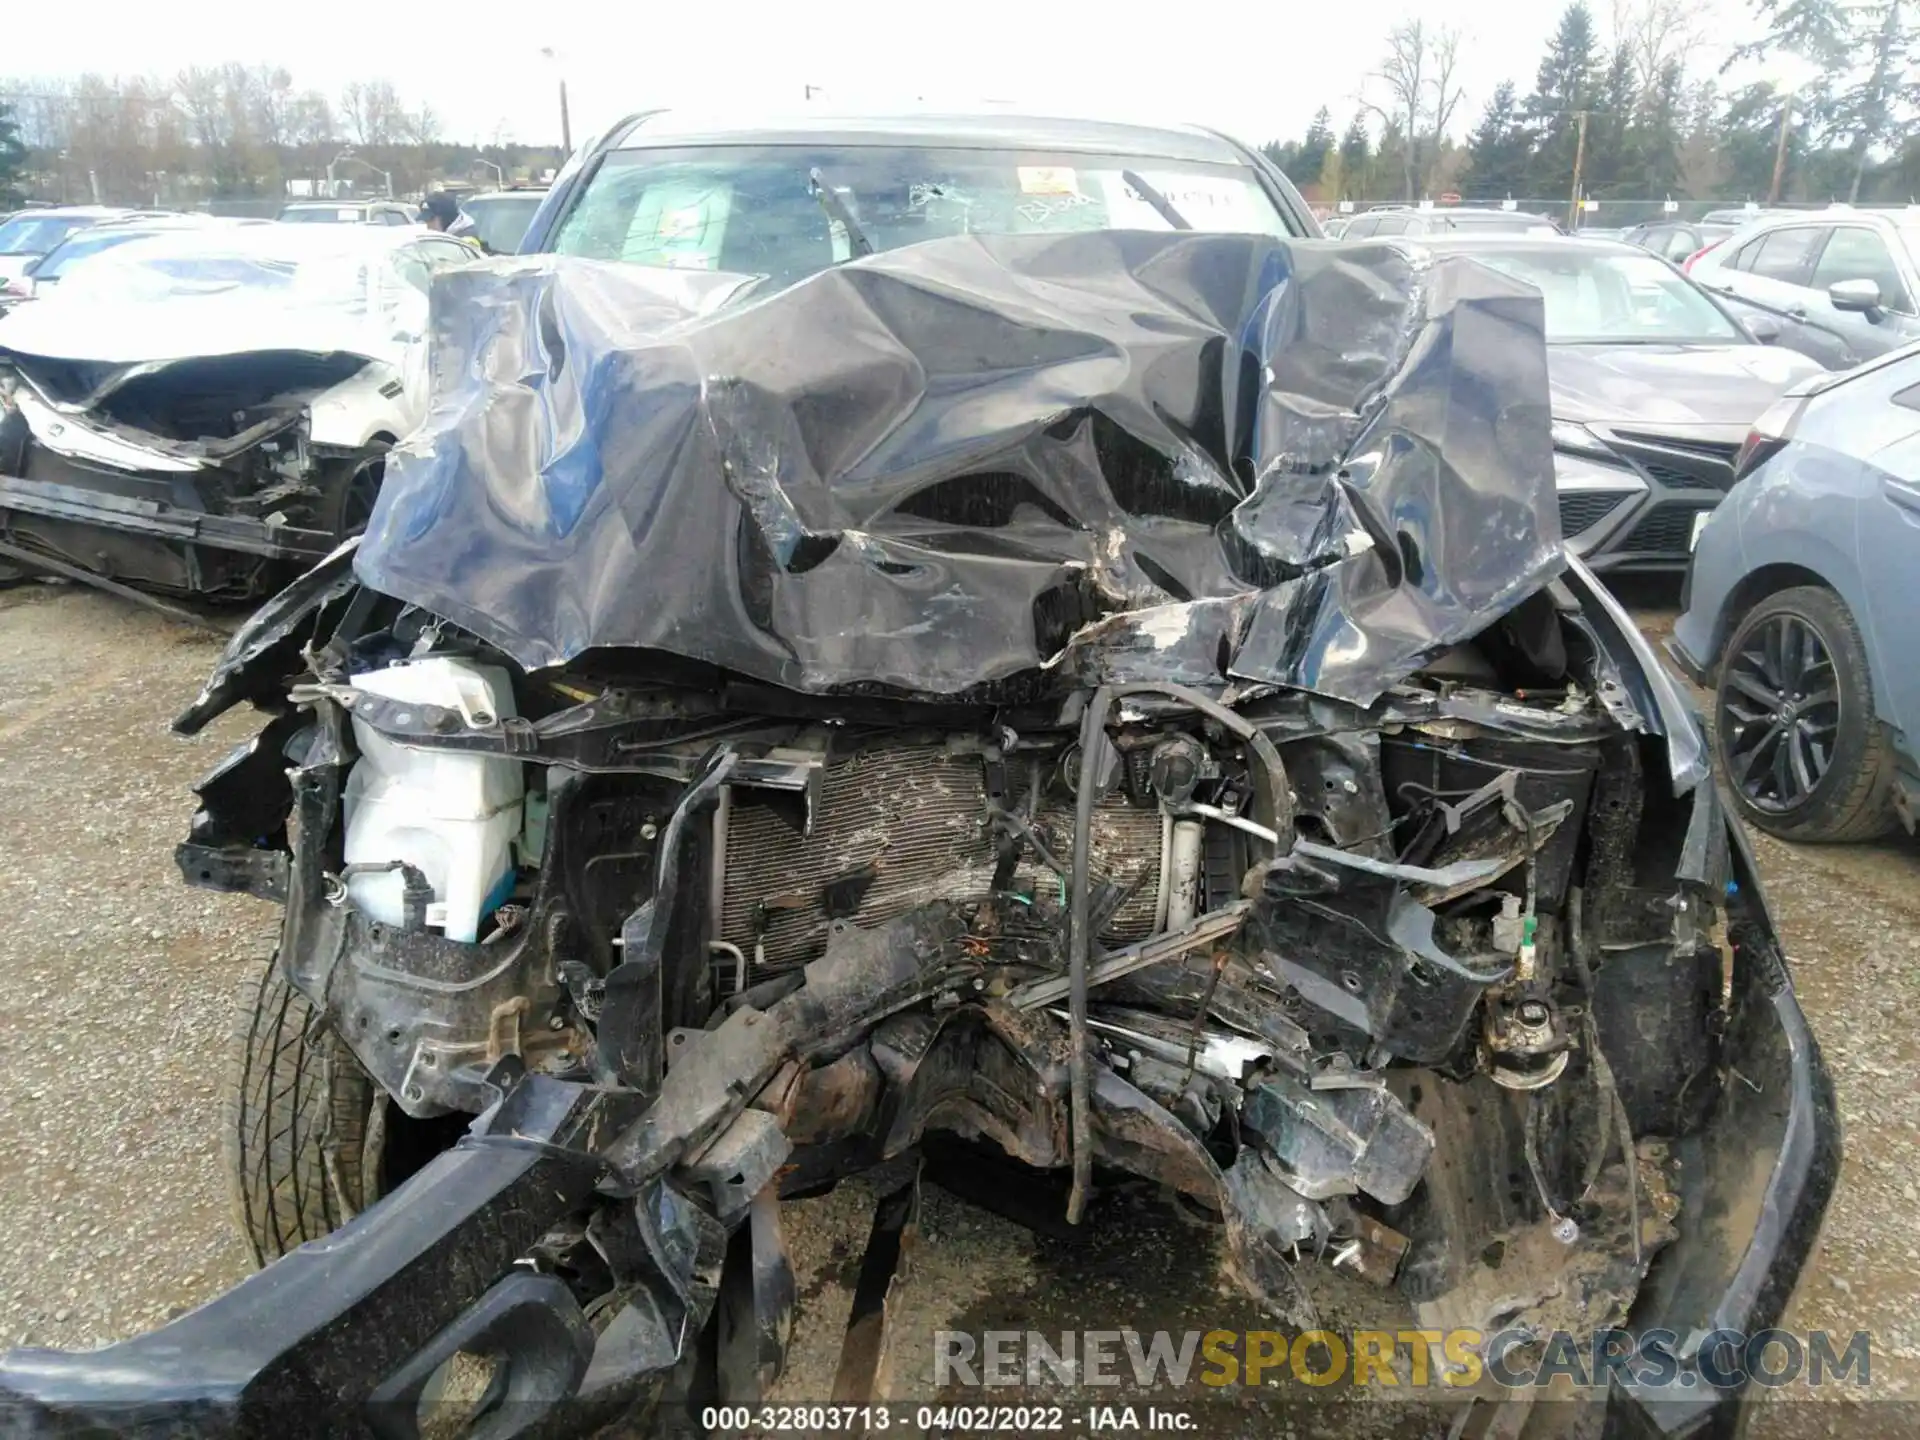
451, 816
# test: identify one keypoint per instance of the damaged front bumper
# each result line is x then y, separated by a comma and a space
179, 524
338, 1337
230, 517
335, 1338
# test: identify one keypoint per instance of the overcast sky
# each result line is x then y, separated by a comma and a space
1259, 70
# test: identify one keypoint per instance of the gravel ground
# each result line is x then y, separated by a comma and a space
116, 980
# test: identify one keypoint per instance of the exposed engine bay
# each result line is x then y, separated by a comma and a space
1338, 859
1273, 955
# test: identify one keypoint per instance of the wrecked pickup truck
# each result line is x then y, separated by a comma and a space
1120, 699
206, 412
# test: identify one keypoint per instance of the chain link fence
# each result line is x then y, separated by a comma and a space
1610, 212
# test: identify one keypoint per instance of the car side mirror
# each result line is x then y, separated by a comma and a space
1764, 329
1855, 296
32, 265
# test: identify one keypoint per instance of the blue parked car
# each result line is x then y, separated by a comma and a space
1799, 612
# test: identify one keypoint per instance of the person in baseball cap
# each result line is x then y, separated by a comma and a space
439, 210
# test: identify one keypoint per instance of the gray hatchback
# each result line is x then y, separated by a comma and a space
1798, 609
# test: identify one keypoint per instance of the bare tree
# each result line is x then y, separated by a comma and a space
310, 119
202, 99
312, 133
110, 134
353, 112
1655, 34
171, 155
1419, 92
1446, 91
41, 110
214, 131
1402, 75
372, 111
422, 126
273, 104
241, 105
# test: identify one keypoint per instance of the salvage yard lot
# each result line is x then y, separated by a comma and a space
116, 982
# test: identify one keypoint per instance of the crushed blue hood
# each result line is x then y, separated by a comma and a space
1109, 456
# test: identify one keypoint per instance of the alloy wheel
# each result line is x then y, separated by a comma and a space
363, 489
1780, 704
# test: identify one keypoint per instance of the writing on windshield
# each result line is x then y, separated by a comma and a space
749, 209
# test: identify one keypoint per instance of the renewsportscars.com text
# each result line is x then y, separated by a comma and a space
1400, 1359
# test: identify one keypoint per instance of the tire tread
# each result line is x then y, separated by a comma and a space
296, 1092
1865, 809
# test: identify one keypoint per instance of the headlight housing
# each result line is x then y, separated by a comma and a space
1769, 435
1574, 439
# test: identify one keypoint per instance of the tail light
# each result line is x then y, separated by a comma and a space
1769, 435
1687, 265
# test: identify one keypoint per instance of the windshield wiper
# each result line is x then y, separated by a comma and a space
1162, 206
837, 211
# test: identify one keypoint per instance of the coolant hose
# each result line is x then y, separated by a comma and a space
1093, 727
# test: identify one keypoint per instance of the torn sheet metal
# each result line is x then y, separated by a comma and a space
59, 433
1110, 456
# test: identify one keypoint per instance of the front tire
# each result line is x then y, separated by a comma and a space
296, 1122
348, 489
1804, 753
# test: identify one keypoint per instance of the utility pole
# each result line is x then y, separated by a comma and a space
547, 52
1579, 159
1780, 151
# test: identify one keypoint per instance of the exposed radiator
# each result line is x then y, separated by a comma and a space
918, 814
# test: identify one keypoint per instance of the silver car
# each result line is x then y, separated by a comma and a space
1654, 386
1798, 609
1677, 241
1389, 221
1840, 285
346, 212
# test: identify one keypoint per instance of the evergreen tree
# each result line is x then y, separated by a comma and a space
1312, 156
1388, 167
1864, 105
1499, 149
1356, 160
1819, 31
1860, 52
1333, 177
1282, 153
13, 157
1748, 131
1609, 168
1903, 175
1564, 85
1657, 133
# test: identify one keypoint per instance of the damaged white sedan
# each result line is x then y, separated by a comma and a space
208, 412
